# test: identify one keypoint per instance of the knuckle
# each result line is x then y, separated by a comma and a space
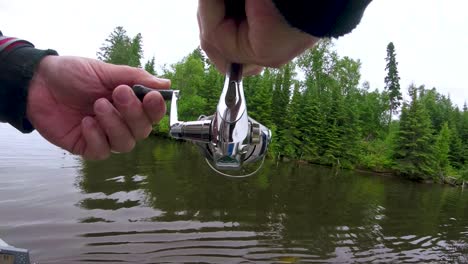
143, 133
130, 144
207, 36
269, 59
141, 71
102, 155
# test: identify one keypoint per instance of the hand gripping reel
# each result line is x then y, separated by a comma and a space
229, 139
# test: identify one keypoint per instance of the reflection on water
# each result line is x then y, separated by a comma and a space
296, 213
161, 203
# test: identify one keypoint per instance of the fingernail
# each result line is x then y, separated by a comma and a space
163, 80
123, 96
103, 106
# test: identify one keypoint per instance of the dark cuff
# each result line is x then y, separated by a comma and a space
323, 18
17, 68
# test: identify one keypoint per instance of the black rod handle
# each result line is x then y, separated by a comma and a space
235, 9
140, 91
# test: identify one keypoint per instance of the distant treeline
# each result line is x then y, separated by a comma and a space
327, 116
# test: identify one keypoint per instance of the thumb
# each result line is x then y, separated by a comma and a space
115, 75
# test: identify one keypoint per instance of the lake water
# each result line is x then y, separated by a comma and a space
161, 203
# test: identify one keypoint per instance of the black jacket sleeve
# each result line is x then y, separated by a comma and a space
18, 62
323, 18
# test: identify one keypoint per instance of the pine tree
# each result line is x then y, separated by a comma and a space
456, 157
414, 154
150, 66
119, 49
259, 97
280, 99
442, 148
392, 80
188, 76
291, 135
136, 51
212, 88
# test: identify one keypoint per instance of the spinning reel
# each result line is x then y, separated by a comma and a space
229, 139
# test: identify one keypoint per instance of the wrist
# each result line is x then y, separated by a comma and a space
17, 68
38, 82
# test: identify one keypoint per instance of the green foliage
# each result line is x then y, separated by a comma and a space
464, 174
120, 49
149, 66
326, 117
414, 153
162, 128
392, 80
442, 148
258, 94
373, 115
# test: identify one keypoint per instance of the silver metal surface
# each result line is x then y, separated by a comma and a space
229, 137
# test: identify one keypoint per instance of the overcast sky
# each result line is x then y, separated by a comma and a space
430, 36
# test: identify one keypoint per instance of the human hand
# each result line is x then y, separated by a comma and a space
86, 106
264, 38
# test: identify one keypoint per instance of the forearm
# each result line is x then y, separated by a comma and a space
323, 18
18, 60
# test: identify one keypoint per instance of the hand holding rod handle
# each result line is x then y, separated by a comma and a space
140, 91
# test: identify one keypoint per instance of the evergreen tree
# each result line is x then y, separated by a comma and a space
136, 51
188, 76
439, 107
392, 80
327, 119
212, 88
372, 111
456, 157
414, 155
258, 94
292, 141
280, 99
119, 49
150, 66
442, 148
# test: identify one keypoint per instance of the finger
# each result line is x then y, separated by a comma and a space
252, 69
154, 106
215, 56
115, 75
97, 147
264, 38
131, 111
221, 63
118, 134
210, 15
223, 34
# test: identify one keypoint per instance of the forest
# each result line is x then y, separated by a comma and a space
321, 112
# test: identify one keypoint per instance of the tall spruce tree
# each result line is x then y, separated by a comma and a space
392, 81
414, 153
259, 92
290, 134
150, 66
120, 49
442, 149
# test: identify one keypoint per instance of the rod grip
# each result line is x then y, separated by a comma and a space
140, 91
235, 9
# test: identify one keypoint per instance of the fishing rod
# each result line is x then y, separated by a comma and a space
229, 139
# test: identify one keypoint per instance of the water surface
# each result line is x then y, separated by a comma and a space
162, 204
